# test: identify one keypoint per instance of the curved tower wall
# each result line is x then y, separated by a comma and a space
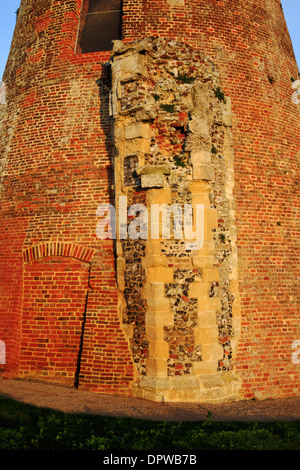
62, 309
58, 281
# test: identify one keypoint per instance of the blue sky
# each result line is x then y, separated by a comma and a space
8, 8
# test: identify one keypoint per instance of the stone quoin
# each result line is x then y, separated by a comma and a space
162, 103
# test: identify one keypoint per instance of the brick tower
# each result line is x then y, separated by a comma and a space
112, 107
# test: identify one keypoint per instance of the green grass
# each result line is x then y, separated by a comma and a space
25, 427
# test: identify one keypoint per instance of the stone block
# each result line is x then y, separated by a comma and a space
199, 126
207, 318
182, 382
154, 260
155, 333
129, 67
136, 130
118, 132
136, 146
155, 383
153, 247
210, 222
152, 181
200, 157
203, 172
158, 304
212, 352
205, 368
227, 115
208, 303
201, 101
210, 274
156, 367
206, 335
158, 318
159, 196
199, 187
236, 310
158, 349
208, 249
199, 290
201, 198
119, 47
155, 170
155, 290
203, 261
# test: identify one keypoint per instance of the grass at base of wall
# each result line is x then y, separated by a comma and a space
25, 427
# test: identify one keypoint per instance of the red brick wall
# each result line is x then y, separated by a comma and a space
59, 170
55, 290
11, 284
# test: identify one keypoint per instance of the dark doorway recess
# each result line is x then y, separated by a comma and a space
101, 23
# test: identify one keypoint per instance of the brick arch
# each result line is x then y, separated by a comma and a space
55, 296
57, 248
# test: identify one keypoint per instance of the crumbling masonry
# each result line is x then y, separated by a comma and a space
173, 146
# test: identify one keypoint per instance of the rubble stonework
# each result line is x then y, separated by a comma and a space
170, 122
